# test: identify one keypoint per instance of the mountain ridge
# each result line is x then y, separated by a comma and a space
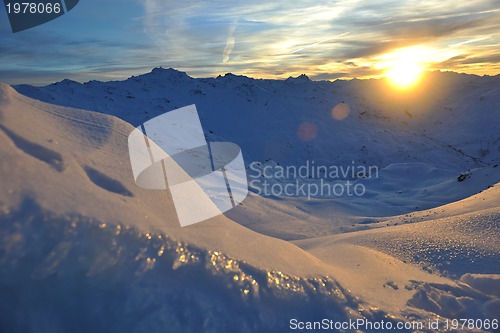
265, 116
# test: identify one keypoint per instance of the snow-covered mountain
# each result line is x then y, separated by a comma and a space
450, 122
83, 248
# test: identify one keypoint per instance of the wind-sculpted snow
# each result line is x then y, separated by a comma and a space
459, 301
455, 246
74, 274
52, 158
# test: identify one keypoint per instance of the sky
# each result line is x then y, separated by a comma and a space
114, 39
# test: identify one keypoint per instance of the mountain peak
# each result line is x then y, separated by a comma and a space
65, 82
300, 78
232, 76
167, 71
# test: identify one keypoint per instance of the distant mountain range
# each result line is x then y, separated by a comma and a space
450, 120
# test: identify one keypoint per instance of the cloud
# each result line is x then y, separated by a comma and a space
280, 38
272, 39
230, 42
464, 63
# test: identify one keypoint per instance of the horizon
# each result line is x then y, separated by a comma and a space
345, 40
423, 74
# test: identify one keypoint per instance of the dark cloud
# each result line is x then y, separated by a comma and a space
465, 61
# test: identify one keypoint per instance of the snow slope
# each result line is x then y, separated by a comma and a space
463, 246
400, 188
82, 248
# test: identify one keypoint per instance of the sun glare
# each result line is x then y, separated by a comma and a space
403, 68
404, 73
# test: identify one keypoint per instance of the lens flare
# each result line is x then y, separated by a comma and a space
341, 111
307, 131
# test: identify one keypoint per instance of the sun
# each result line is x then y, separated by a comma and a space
404, 72
403, 67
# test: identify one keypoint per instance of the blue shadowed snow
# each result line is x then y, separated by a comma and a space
80, 275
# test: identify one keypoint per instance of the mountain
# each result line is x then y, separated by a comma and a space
451, 121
